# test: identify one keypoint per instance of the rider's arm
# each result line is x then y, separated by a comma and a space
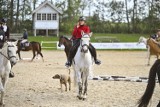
87, 29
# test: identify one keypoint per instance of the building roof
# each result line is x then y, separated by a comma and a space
43, 4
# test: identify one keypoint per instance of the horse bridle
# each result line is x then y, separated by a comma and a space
8, 57
84, 45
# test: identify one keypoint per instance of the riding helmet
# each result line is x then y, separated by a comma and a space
82, 18
3, 20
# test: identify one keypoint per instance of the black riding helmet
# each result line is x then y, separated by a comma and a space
3, 20
82, 18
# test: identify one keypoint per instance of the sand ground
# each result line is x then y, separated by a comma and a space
33, 85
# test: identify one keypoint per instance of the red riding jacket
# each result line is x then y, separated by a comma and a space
76, 34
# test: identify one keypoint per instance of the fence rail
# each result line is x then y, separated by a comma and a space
49, 42
16, 35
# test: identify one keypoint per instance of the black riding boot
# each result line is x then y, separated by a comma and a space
72, 53
94, 54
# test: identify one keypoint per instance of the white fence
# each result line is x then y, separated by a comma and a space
49, 42
131, 45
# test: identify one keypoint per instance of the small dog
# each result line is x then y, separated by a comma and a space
63, 80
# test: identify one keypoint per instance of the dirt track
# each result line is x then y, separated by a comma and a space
33, 85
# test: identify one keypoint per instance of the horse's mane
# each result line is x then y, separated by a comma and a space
64, 37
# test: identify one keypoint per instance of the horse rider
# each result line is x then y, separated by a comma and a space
156, 37
76, 36
5, 28
2, 35
24, 38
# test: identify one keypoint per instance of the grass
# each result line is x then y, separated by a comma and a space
120, 37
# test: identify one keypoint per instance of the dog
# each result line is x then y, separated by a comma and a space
64, 79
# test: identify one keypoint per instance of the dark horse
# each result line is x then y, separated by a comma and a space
155, 69
34, 46
67, 44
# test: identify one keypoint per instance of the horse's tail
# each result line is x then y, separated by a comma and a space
143, 102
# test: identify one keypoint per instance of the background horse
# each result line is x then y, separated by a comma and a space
67, 44
82, 65
155, 69
7, 57
154, 49
151, 51
34, 46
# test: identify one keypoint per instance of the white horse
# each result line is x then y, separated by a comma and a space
7, 57
144, 40
82, 65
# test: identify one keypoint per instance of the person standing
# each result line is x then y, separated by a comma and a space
5, 28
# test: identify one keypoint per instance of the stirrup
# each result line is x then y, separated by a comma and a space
98, 62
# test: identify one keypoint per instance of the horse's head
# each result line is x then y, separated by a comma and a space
61, 40
64, 41
85, 41
142, 40
11, 51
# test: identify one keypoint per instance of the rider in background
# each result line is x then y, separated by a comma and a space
76, 36
5, 28
2, 35
156, 37
24, 38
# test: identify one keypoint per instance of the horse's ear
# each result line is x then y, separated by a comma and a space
82, 32
90, 34
16, 42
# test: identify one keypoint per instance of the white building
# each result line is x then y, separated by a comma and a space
46, 19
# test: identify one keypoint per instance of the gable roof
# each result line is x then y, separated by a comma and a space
43, 4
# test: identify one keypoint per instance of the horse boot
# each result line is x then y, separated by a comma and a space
94, 54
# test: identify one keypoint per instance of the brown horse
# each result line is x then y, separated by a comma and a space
34, 46
154, 48
67, 44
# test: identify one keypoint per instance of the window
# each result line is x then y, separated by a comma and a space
38, 16
54, 16
43, 16
48, 16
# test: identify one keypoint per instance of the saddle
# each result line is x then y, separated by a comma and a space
25, 44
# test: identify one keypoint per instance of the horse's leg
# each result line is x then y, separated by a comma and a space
34, 54
41, 55
78, 74
2, 92
149, 59
19, 55
85, 81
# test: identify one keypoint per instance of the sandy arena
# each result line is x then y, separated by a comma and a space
33, 85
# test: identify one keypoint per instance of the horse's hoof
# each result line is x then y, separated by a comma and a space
84, 99
11, 75
80, 98
2, 105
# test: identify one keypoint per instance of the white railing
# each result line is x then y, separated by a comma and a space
132, 45
49, 42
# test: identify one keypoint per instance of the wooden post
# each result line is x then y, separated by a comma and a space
46, 32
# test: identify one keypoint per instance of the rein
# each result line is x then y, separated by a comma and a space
83, 46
